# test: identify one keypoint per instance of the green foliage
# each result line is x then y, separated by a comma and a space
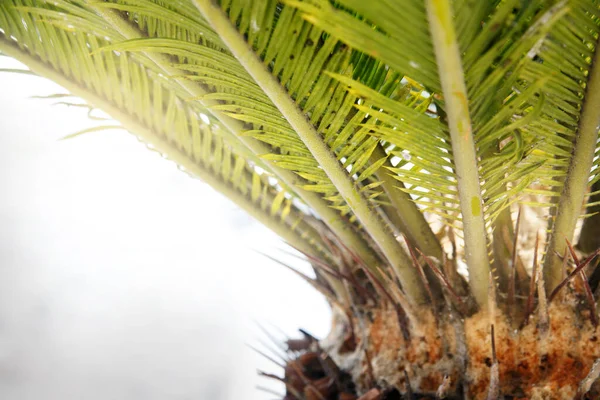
302, 108
129, 84
524, 95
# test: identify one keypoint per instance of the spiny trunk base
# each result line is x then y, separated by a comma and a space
371, 358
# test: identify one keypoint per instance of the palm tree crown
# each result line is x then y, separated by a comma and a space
388, 141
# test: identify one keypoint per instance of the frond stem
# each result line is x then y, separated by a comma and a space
368, 217
404, 212
452, 78
571, 201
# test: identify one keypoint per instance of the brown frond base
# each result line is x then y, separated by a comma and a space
370, 357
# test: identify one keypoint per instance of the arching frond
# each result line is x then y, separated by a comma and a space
232, 94
289, 71
149, 105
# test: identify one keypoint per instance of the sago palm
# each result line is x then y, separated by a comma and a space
432, 159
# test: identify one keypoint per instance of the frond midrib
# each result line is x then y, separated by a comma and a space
369, 219
576, 184
463, 145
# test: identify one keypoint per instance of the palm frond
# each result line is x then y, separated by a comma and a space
284, 74
367, 115
240, 104
522, 99
149, 105
582, 116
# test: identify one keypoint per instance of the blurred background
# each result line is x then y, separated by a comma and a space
121, 277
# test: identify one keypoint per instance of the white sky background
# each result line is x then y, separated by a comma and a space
122, 277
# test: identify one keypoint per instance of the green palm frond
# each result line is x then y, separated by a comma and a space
289, 72
522, 95
152, 107
241, 99
368, 115
221, 83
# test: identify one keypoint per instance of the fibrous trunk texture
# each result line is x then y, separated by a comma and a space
377, 355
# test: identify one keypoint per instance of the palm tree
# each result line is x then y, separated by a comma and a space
417, 152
